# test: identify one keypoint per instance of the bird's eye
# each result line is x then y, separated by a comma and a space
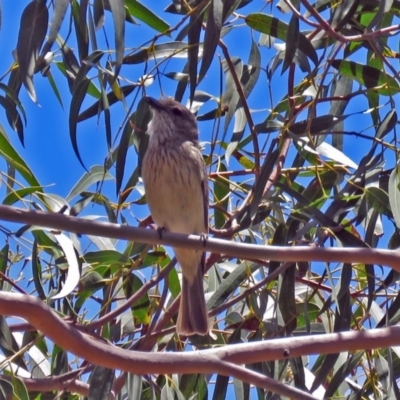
177, 111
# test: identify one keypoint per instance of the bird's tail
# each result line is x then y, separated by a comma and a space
193, 317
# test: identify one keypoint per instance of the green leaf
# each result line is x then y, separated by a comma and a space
140, 11
316, 126
372, 78
79, 13
118, 13
107, 258
32, 32
19, 389
276, 28
212, 35
221, 387
221, 193
292, 42
55, 88
3, 262
259, 186
19, 194
343, 13
60, 9
9, 153
387, 125
112, 98
122, 151
164, 50
286, 299
394, 194
94, 175
8, 344
13, 117
378, 199
100, 382
98, 13
195, 25
140, 309
37, 271
88, 63
231, 283
77, 99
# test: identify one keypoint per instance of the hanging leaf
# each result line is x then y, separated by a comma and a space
212, 35
77, 99
13, 158
118, 13
32, 31
292, 42
60, 9
98, 14
195, 24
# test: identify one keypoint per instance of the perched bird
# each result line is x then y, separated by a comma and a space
176, 187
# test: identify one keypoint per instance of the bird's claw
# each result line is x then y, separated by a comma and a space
160, 231
203, 238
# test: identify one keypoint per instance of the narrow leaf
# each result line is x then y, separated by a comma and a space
118, 13
122, 151
164, 50
261, 181
94, 175
73, 275
112, 98
77, 99
371, 78
276, 28
195, 25
394, 195
60, 9
32, 32
37, 271
140, 11
98, 13
388, 123
13, 117
292, 42
9, 153
212, 35
101, 381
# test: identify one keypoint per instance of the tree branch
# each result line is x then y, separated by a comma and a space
208, 361
63, 222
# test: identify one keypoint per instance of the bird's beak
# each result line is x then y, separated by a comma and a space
153, 103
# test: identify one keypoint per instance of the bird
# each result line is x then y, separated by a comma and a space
176, 188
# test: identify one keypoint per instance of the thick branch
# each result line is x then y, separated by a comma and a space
206, 361
101, 353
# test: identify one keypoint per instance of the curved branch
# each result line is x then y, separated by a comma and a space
102, 353
137, 362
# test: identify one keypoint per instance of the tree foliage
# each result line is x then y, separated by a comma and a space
296, 105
